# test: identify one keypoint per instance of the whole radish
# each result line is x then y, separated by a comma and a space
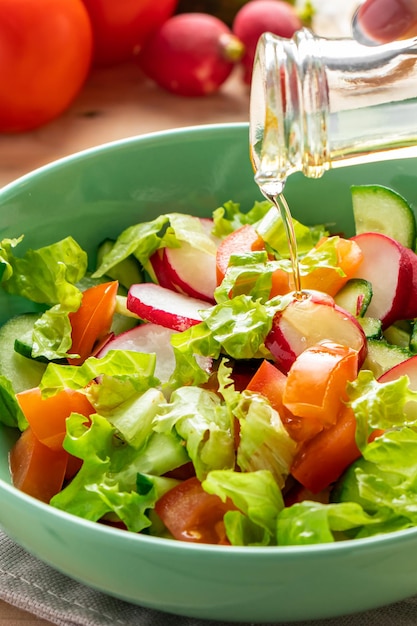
260, 16
191, 54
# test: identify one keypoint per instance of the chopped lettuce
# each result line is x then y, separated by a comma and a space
134, 371
311, 522
47, 275
142, 240
264, 443
229, 217
10, 412
200, 418
258, 500
272, 230
109, 476
380, 405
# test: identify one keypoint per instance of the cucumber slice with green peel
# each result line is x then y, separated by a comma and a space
127, 272
372, 327
379, 209
383, 355
355, 296
398, 334
23, 373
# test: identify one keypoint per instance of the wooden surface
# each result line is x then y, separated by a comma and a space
118, 103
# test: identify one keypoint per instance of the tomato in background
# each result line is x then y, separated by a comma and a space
121, 27
45, 57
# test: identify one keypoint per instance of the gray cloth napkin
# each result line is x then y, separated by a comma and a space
29, 584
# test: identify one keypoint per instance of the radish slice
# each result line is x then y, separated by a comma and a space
152, 339
307, 322
168, 308
406, 368
148, 338
187, 269
386, 265
410, 308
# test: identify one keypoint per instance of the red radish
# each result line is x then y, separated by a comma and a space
188, 269
406, 368
387, 266
191, 54
260, 16
152, 339
148, 338
410, 308
308, 321
168, 308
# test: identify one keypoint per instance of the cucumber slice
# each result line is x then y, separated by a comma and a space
355, 296
383, 355
379, 209
127, 272
22, 372
372, 327
398, 334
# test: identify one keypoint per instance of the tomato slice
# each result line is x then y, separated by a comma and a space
47, 416
92, 321
328, 279
317, 380
190, 514
36, 469
244, 239
271, 382
322, 460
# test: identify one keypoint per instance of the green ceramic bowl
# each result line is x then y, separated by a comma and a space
94, 195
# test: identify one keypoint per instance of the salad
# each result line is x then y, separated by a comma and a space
182, 389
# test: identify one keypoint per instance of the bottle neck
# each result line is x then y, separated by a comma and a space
317, 101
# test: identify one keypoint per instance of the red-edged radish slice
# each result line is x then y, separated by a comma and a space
188, 269
410, 307
152, 339
148, 338
406, 368
309, 321
168, 308
386, 265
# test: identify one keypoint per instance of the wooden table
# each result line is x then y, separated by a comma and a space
117, 103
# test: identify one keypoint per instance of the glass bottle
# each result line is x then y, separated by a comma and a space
318, 103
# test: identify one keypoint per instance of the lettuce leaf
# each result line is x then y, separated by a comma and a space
199, 417
47, 275
259, 500
264, 443
142, 240
311, 522
229, 217
122, 373
380, 405
108, 479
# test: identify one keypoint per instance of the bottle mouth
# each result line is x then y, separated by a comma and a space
288, 108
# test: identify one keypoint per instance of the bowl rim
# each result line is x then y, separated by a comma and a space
86, 153
270, 552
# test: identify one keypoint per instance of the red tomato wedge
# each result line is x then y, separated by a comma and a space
328, 279
92, 321
244, 239
191, 514
322, 460
47, 416
270, 382
36, 469
316, 382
